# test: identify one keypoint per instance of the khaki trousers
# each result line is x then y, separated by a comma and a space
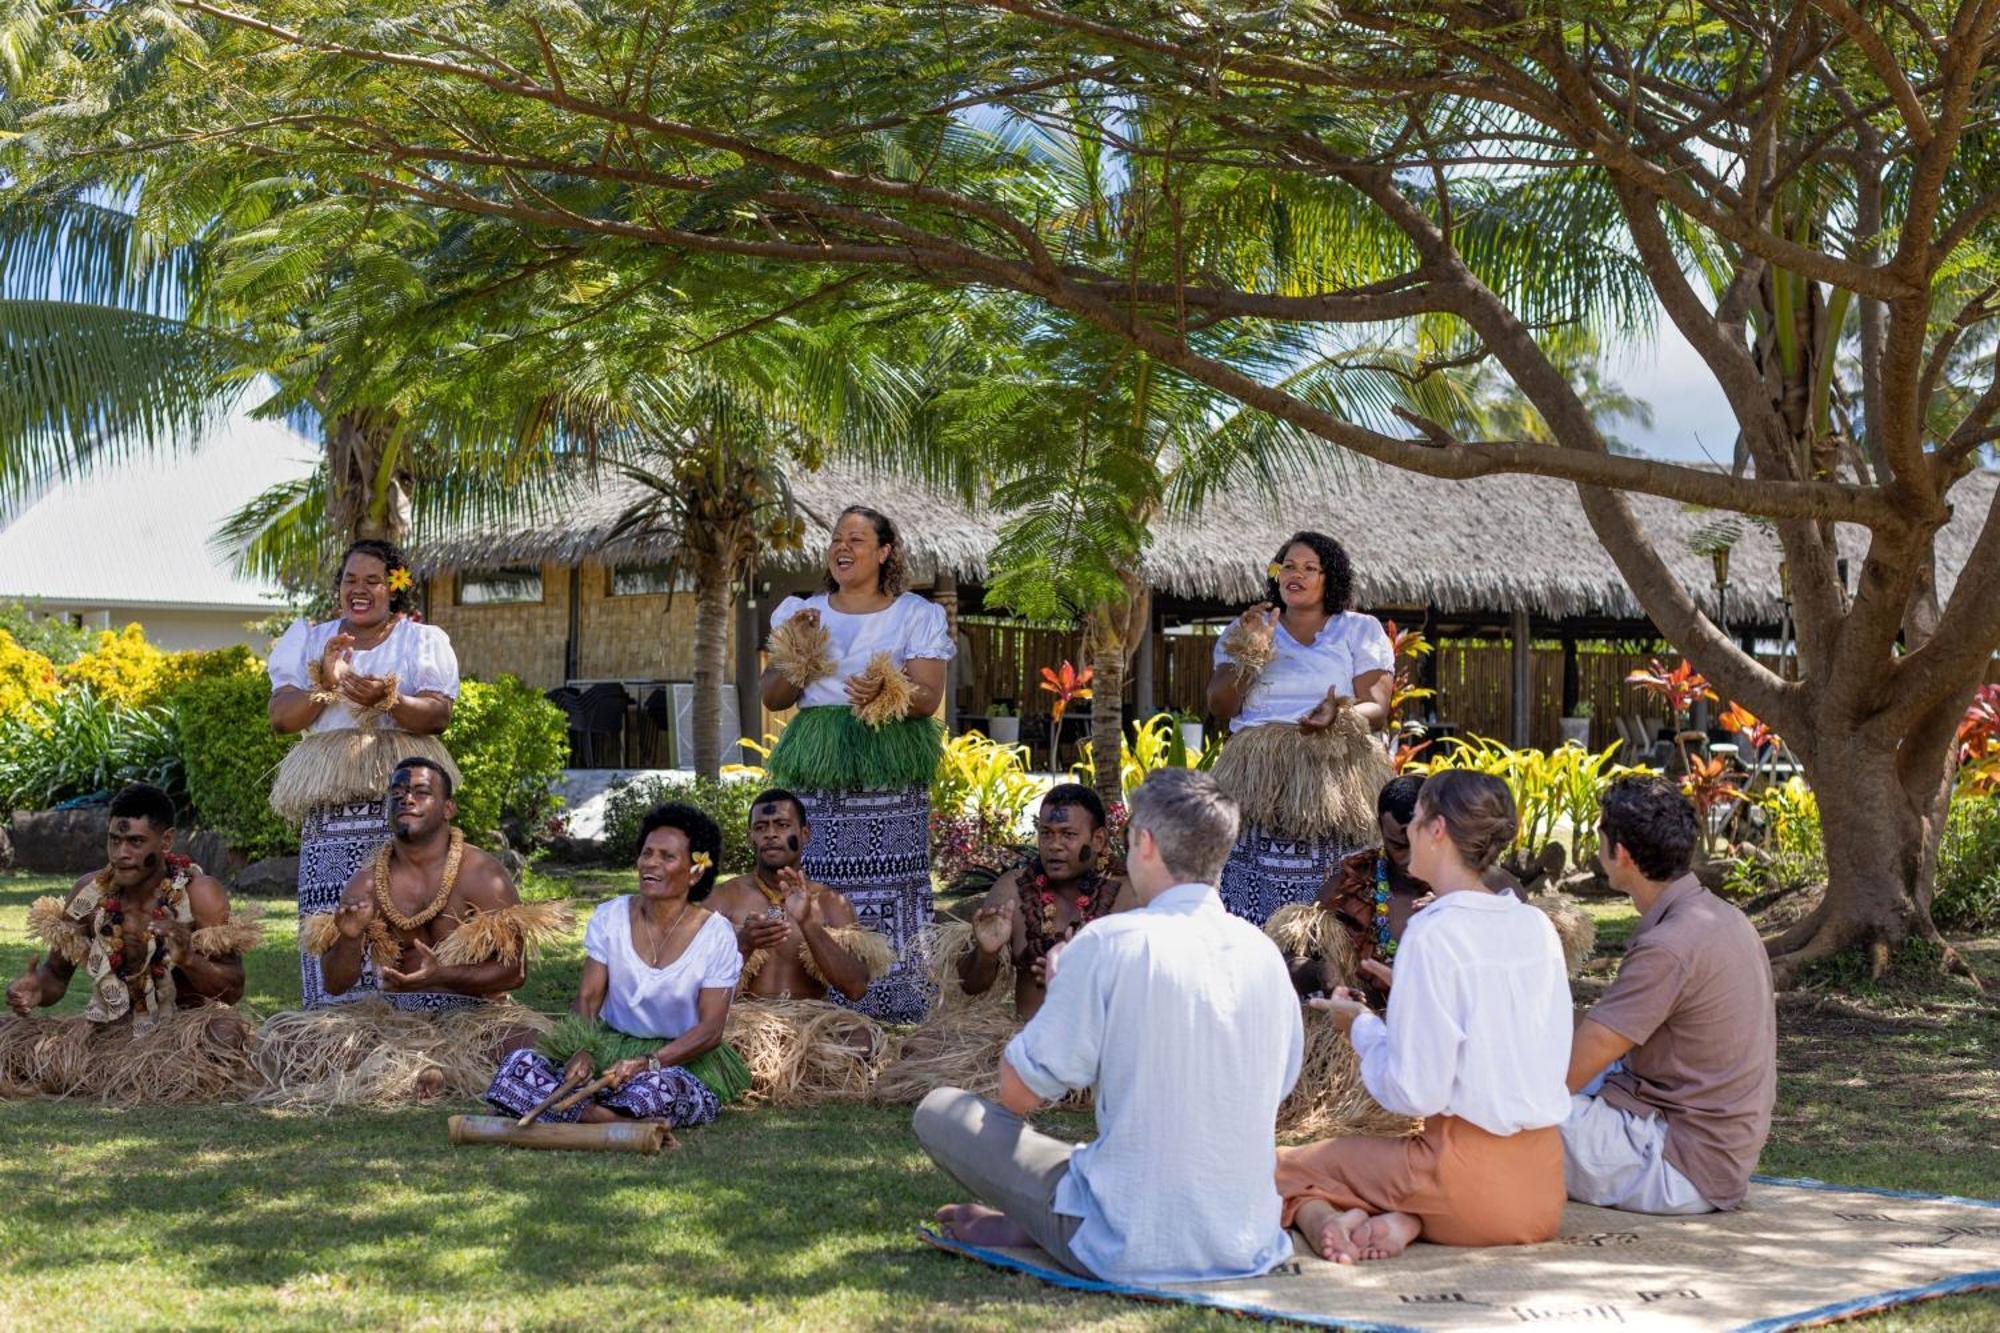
998, 1159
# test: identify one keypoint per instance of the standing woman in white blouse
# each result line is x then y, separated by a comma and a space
864, 662
1476, 1042
1304, 684
368, 689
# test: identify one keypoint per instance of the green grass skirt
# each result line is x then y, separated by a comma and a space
830, 749
722, 1069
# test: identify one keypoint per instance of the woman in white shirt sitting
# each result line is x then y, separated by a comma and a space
658, 976
1304, 684
1476, 1042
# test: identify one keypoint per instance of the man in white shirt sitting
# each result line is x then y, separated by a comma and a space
1183, 1021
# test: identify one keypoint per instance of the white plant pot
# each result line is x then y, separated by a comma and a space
1191, 737
1575, 731
1004, 730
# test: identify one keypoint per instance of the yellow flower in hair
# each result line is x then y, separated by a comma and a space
400, 580
701, 861
1275, 570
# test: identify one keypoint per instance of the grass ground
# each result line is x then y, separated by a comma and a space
218, 1216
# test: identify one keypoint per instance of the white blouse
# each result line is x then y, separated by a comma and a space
1349, 646
908, 627
419, 654
1479, 1018
648, 1001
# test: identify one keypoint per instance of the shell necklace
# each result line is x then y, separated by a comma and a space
386, 905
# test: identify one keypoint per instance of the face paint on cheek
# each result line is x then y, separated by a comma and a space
152, 862
792, 842
1086, 854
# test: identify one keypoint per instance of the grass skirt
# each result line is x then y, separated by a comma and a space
347, 765
373, 1054
200, 1054
721, 1069
830, 749
875, 848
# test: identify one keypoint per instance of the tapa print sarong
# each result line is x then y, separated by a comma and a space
526, 1080
874, 846
334, 843
1266, 871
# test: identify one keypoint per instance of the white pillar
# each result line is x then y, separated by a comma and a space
1519, 640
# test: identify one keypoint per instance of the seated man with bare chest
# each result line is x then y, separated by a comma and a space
1033, 909
798, 939
162, 962
430, 922
432, 926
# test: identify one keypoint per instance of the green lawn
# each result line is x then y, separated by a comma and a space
225, 1217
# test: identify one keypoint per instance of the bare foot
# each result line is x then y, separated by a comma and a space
1328, 1230
430, 1083
1386, 1236
976, 1224
597, 1113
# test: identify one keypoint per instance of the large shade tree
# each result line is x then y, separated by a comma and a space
1796, 185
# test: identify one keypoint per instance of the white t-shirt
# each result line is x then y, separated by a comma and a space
908, 627
419, 654
1479, 1018
1349, 646
1184, 1020
648, 1001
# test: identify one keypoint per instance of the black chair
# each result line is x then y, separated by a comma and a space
658, 714
570, 700
603, 715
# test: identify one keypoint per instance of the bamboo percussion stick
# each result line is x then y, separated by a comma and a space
636, 1136
569, 1082
584, 1093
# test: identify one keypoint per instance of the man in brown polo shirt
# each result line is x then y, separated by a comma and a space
1674, 1071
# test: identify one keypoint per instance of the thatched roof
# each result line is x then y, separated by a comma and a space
1487, 545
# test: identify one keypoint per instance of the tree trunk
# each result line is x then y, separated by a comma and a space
714, 607
1882, 805
1110, 636
367, 484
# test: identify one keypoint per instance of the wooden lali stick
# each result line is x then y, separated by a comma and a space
569, 1082
636, 1136
584, 1093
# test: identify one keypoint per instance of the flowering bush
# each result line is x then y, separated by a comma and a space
26, 678
120, 668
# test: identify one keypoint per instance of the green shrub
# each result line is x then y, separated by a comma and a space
229, 754
79, 744
725, 800
1968, 877
50, 635
510, 744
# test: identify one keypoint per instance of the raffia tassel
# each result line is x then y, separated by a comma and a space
751, 967
1575, 928
505, 935
895, 693
802, 1052
1307, 930
1329, 1099
870, 949
1247, 652
944, 944
49, 923
1305, 785
317, 934
383, 946
802, 651
226, 940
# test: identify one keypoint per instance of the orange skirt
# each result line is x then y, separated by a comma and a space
1466, 1186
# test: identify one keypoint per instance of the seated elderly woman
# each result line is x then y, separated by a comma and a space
657, 978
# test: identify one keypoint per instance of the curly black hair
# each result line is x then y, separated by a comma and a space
144, 801
1339, 590
1398, 797
1653, 822
392, 559
894, 576
702, 836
